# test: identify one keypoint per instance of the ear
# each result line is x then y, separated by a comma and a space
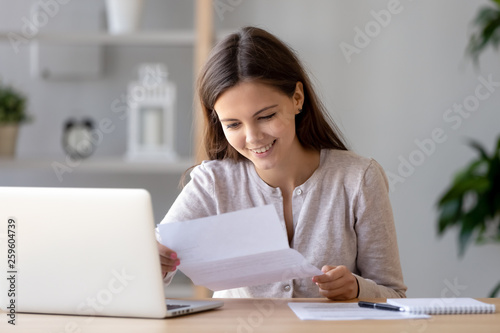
298, 96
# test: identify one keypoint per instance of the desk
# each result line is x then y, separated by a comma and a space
249, 316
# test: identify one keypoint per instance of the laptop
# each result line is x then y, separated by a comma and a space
83, 251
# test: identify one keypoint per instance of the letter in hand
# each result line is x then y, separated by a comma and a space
337, 283
168, 259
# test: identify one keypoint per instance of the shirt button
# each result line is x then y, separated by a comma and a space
299, 191
286, 288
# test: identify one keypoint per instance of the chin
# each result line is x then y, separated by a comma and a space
264, 166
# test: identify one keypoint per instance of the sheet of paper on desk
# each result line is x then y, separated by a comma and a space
237, 249
345, 311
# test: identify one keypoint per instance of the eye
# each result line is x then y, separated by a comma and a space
267, 117
232, 125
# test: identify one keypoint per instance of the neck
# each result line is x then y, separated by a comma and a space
295, 171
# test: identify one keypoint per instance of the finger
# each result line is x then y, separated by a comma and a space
333, 284
339, 294
168, 259
327, 276
165, 251
325, 269
170, 267
169, 262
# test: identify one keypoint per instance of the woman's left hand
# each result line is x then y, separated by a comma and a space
337, 283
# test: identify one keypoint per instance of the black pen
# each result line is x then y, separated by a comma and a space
380, 306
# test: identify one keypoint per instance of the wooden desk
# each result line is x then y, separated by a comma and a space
249, 316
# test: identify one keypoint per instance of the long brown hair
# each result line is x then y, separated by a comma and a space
253, 54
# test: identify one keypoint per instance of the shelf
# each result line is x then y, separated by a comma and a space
159, 38
178, 38
97, 165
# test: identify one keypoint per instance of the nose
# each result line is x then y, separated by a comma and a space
254, 134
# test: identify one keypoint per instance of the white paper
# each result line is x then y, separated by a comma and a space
238, 249
345, 311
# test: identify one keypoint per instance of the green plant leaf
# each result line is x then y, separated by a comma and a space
497, 238
450, 214
495, 291
459, 189
474, 219
474, 169
493, 176
464, 238
494, 191
476, 145
497, 151
469, 223
487, 22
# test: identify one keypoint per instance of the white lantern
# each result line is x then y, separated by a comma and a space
151, 102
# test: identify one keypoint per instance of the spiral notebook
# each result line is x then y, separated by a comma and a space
442, 305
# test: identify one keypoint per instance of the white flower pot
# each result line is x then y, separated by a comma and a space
8, 139
124, 16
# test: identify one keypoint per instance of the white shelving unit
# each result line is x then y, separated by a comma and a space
99, 164
147, 38
152, 38
106, 164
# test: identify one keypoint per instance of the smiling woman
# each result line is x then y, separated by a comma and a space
270, 141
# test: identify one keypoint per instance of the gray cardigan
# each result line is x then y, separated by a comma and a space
342, 216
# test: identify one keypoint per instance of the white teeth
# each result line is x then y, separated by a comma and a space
263, 149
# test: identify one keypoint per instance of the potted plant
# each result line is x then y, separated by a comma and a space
472, 202
12, 113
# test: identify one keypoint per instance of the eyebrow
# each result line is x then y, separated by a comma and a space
254, 115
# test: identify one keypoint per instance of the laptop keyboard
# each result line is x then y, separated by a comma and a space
176, 306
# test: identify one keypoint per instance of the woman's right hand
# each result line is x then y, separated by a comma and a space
168, 259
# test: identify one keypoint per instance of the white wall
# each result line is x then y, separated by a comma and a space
395, 91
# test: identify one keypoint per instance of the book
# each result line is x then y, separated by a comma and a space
462, 305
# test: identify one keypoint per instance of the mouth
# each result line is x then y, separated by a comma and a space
263, 149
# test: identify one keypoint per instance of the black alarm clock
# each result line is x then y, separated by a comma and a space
77, 138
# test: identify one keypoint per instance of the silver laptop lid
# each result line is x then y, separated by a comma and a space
81, 251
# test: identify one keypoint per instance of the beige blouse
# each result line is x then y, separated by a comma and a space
342, 216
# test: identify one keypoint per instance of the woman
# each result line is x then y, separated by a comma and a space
269, 141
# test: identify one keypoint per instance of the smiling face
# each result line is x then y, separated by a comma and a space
259, 122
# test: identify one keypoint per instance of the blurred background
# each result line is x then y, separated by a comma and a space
394, 75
